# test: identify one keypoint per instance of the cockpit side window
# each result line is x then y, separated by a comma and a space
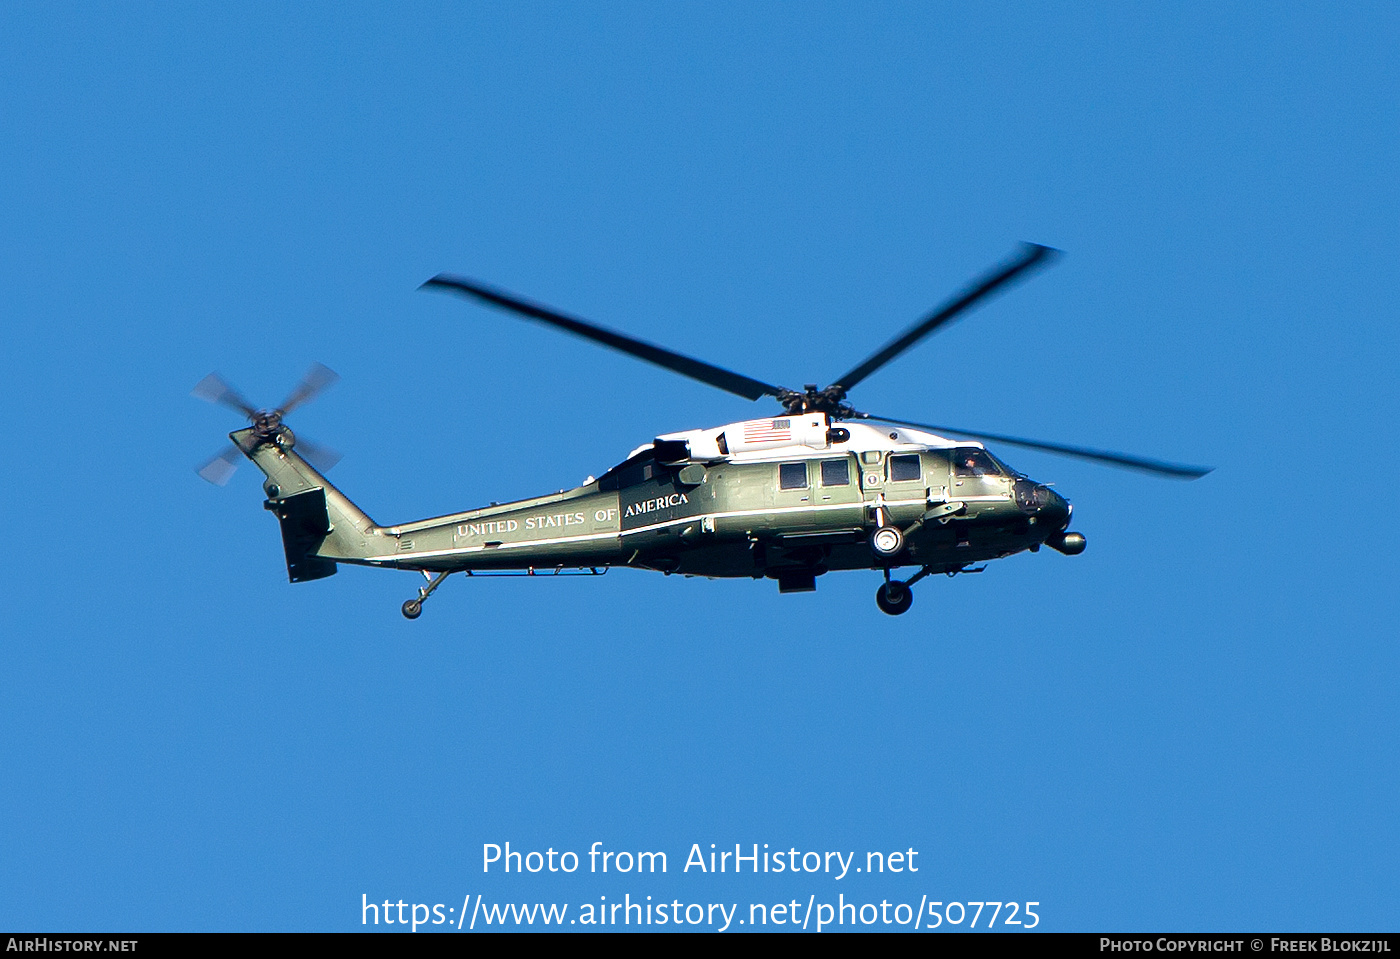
836, 472
904, 468
970, 461
792, 476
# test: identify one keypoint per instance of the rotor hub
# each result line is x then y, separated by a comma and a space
813, 400
267, 423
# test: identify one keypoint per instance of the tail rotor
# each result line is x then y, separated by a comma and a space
267, 423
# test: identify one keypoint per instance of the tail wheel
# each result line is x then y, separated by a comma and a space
886, 542
894, 597
412, 609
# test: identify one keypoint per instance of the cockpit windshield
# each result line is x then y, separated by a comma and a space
970, 461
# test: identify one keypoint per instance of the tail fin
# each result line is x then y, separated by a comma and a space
320, 526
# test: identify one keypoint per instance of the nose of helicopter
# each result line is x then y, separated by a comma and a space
1055, 513
1050, 509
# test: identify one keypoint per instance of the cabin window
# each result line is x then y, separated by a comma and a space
903, 468
836, 472
974, 462
792, 476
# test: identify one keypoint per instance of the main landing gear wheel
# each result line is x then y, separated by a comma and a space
894, 597
886, 542
412, 609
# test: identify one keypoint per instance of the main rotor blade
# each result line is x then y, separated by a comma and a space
731, 382
215, 389
1030, 255
1102, 456
317, 379
221, 466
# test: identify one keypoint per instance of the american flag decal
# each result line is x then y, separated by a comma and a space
767, 431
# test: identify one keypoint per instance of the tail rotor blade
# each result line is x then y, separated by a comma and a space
215, 389
220, 468
316, 381
320, 456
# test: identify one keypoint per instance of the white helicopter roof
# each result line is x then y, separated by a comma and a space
801, 435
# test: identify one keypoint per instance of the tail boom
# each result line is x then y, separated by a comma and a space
320, 525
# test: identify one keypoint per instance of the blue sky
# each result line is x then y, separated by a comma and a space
1191, 726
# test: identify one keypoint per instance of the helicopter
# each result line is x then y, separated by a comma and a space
817, 487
